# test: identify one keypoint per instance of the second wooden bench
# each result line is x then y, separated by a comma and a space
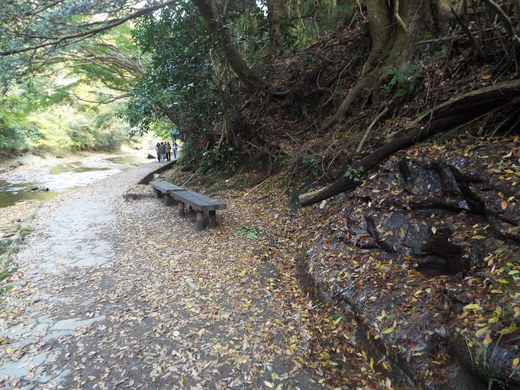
200, 204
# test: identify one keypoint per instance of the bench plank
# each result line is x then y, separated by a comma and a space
198, 201
165, 187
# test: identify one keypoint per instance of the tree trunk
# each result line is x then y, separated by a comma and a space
394, 28
220, 32
378, 15
278, 10
441, 118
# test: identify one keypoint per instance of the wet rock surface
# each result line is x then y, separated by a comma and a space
425, 256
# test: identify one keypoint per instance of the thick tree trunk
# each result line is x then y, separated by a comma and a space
278, 10
394, 28
441, 118
378, 15
207, 10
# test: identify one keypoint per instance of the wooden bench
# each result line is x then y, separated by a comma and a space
202, 205
164, 189
199, 204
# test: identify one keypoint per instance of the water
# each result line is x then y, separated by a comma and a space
130, 159
76, 166
61, 177
11, 193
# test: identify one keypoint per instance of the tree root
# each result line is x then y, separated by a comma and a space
443, 117
368, 81
372, 124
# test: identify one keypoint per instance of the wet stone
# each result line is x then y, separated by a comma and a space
424, 238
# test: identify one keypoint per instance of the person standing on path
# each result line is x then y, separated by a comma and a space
162, 151
168, 151
158, 151
175, 150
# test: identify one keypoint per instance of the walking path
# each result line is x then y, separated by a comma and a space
126, 295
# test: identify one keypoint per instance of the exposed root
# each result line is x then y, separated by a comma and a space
368, 82
443, 117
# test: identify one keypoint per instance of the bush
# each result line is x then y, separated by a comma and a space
221, 157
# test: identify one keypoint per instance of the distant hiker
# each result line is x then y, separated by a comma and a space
175, 150
162, 151
158, 151
168, 151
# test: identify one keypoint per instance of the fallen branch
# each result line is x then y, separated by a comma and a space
443, 117
365, 136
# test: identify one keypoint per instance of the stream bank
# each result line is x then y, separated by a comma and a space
27, 182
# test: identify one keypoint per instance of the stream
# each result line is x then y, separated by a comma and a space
45, 178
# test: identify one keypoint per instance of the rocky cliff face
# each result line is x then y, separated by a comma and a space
425, 256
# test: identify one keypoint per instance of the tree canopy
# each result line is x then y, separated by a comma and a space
200, 69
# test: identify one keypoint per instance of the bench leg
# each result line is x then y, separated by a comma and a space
157, 193
180, 206
212, 218
200, 220
192, 212
168, 200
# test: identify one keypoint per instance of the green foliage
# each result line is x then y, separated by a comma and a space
112, 60
7, 247
109, 131
221, 157
182, 82
65, 127
23, 231
311, 160
322, 15
15, 128
354, 173
7, 268
335, 18
403, 82
187, 82
42, 116
250, 232
493, 364
250, 30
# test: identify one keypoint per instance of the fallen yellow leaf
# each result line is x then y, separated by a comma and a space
509, 330
473, 306
391, 329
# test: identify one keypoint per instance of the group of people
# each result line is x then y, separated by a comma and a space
164, 151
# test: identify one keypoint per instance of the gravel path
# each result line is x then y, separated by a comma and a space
126, 295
